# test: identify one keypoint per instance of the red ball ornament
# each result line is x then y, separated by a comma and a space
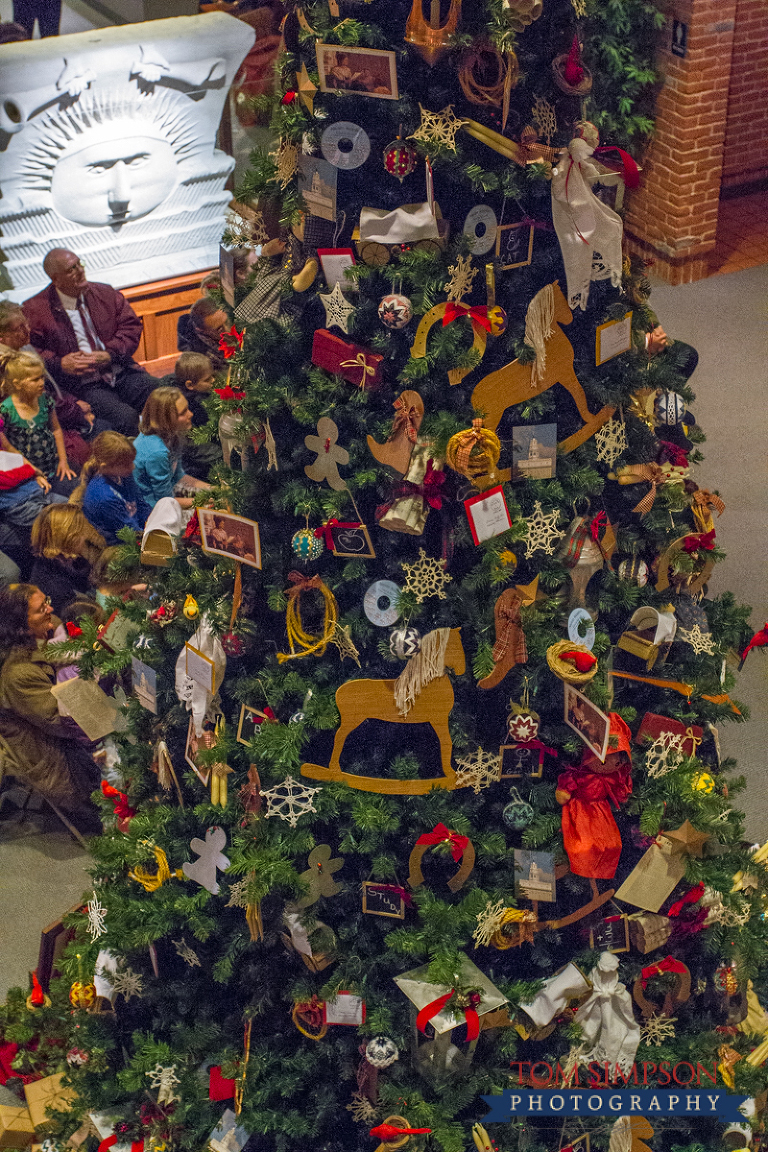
400, 159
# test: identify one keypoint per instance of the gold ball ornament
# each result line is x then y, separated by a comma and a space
190, 608
703, 782
82, 995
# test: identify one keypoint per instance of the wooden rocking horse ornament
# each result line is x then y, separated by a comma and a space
516, 382
422, 694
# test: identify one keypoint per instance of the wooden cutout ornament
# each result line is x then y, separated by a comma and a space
462, 849
360, 700
516, 382
319, 876
673, 997
329, 455
395, 453
510, 647
695, 582
211, 857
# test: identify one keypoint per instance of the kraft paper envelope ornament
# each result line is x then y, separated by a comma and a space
654, 877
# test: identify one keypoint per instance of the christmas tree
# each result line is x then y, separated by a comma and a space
434, 770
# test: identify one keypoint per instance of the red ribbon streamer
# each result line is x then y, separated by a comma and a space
691, 897
388, 1132
597, 524
436, 1007
122, 808
110, 1141
439, 835
453, 310
625, 164
325, 534
669, 964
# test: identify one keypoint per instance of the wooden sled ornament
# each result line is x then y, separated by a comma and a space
360, 700
516, 382
524, 931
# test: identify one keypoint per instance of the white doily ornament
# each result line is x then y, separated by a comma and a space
289, 800
664, 754
426, 577
488, 923
478, 770
542, 532
438, 127
703, 643
611, 441
337, 308
545, 118
127, 983
164, 1078
462, 275
361, 1108
96, 916
657, 1029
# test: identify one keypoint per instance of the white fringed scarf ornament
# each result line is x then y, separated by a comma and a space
589, 231
421, 669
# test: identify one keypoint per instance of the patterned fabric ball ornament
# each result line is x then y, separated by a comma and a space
522, 726
395, 310
82, 995
306, 545
400, 159
404, 642
670, 408
634, 571
517, 814
76, 1057
703, 782
381, 1052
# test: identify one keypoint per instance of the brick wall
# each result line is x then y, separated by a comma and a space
746, 136
672, 216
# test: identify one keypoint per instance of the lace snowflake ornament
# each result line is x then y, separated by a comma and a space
238, 894
361, 1108
462, 275
96, 916
657, 1029
127, 983
337, 308
703, 643
488, 923
188, 956
579, 8
478, 770
286, 158
542, 532
664, 754
544, 117
164, 1078
342, 640
289, 800
426, 577
611, 441
438, 127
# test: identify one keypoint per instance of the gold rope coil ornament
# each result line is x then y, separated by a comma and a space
297, 637
475, 453
309, 1009
565, 671
483, 58
525, 920
151, 881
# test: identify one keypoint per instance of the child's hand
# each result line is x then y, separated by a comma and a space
64, 472
41, 480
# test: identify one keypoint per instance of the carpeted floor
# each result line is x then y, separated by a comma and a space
44, 874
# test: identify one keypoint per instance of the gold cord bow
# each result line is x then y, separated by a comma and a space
359, 362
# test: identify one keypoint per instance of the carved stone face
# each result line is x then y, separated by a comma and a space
111, 182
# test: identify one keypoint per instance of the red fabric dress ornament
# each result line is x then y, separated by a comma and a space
590, 835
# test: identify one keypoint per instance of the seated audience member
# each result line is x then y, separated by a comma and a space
13, 34
159, 471
110, 577
47, 749
199, 330
24, 492
65, 545
107, 492
193, 376
87, 335
76, 417
30, 419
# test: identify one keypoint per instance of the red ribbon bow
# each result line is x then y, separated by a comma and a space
227, 393
325, 533
302, 583
230, 343
597, 524
440, 834
692, 896
110, 1141
268, 714
704, 540
122, 808
669, 964
429, 490
394, 890
453, 310
436, 1007
74, 630
625, 164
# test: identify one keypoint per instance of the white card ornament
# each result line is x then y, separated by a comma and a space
345, 1008
613, 338
201, 669
144, 684
193, 695
88, 705
211, 858
488, 514
337, 308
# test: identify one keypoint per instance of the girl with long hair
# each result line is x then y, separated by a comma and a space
107, 492
65, 545
164, 422
31, 423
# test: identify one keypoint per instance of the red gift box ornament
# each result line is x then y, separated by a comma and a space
353, 362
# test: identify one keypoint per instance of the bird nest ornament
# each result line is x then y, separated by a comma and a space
570, 75
573, 663
484, 74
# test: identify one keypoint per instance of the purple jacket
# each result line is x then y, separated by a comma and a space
116, 323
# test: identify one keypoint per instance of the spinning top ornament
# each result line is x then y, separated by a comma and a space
400, 159
634, 571
395, 310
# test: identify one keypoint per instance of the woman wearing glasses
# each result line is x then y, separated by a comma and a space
40, 745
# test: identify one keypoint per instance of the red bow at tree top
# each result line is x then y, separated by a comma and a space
231, 342
669, 964
454, 310
468, 1003
702, 541
441, 835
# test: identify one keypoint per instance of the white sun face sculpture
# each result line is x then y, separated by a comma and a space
108, 147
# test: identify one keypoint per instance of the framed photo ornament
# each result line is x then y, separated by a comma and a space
334, 263
488, 514
362, 71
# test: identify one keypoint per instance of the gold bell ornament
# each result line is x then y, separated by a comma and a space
190, 608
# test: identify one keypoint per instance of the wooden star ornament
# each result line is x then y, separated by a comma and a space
688, 839
306, 89
337, 308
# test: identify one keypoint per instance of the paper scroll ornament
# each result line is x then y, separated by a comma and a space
516, 382
425, 696
420, 489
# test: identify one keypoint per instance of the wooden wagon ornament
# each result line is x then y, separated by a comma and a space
517, 382
422, 694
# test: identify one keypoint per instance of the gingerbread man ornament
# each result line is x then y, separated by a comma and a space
319, 875
329, 455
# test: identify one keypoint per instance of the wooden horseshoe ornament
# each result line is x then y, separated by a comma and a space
674, 997
419, 348
461, 849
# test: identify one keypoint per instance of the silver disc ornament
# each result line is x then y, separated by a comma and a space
345, 145
380, 603
480, 227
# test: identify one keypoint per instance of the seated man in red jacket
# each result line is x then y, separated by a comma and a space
87, 334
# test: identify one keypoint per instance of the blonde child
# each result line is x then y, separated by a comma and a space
162, 429
31, 423
64, 545
107, 492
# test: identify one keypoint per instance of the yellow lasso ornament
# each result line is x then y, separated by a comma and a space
151, 881
297, 638
475, 453
502, 940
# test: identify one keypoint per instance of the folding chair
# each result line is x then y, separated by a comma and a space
12, 775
